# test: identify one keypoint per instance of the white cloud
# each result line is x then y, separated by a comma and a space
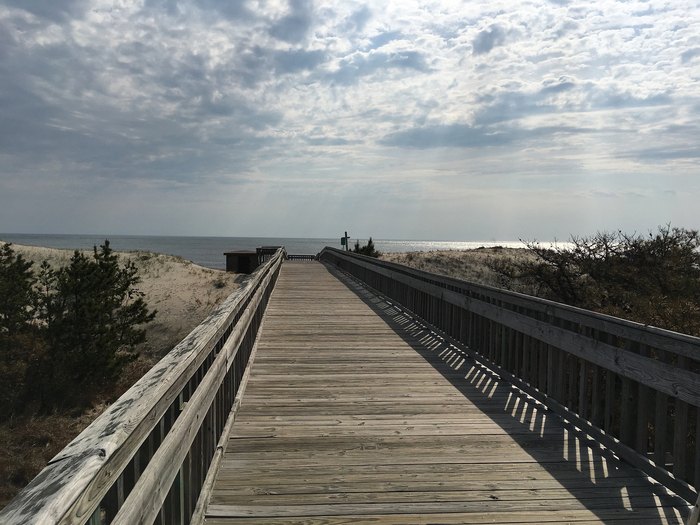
172, 96
489, 38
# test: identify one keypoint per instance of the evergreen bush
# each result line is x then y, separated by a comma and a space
67, 332
368, 249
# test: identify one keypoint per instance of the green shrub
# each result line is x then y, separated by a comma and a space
66, 333
652, 279
17, 298
368, 249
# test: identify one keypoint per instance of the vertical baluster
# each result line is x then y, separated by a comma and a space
610, 392
517, 352
456, 318
571, 373
512, 351
525, 365
110, 504
190, 492
660, 429
503, 352
572, 380
696, 463
680, 439
608, 415
680, 431
643, 411
560, 378
534, 353
550, 371
509, 347
463, 326
627, 411
583, 390
542, 356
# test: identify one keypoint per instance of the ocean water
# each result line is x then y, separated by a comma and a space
208, 251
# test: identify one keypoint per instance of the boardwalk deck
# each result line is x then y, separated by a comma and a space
354, 412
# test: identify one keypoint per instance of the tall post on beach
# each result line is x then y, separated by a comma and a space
344, 241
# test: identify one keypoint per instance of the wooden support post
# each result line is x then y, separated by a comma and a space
660, 429
628, 407
583, 390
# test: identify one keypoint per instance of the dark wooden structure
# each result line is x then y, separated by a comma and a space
246, 261
242, 261
384, 394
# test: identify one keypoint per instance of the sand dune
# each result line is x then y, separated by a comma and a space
470, 265
182, 292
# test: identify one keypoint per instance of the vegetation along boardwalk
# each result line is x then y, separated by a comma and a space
356, 412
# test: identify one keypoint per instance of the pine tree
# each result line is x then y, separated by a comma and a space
94, 318
16, 300
368, 249
16, 281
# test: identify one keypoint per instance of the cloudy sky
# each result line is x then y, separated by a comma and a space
459, 120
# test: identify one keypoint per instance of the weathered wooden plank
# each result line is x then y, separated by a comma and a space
580, 517
484, 507
361, 434
638, 495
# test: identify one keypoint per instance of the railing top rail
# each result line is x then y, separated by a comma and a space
98, 454
674, 342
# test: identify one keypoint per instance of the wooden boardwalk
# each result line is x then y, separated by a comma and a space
354, 412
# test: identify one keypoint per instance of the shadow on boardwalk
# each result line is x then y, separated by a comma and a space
574, 460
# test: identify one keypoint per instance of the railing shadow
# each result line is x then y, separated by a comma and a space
576, 461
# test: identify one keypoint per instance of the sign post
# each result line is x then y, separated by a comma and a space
344, 241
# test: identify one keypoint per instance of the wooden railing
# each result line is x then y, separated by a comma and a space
303, 257
265, 253
633, 388
146, 458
